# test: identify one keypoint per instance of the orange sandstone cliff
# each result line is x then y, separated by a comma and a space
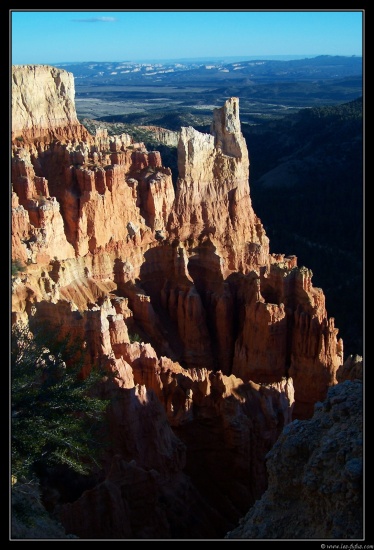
236, 341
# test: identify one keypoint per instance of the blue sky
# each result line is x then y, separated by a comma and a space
47, 37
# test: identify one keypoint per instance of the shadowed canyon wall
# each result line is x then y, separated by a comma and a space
235, 340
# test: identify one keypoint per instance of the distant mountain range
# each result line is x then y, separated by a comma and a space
205, 71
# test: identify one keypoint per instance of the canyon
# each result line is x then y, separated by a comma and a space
215, 343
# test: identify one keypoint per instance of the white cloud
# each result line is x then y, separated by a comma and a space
96, 19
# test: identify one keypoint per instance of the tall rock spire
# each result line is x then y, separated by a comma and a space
213, 199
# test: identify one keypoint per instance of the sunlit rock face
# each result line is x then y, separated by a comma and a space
43, 104
213, 199
215, 343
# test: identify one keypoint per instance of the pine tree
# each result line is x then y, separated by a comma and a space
55, 415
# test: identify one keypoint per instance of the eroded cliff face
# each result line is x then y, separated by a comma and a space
316, 472
43, 104
236, 340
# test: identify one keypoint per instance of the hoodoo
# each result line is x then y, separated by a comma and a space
236, 341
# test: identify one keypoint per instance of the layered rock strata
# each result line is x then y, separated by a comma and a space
236, 340
43, 104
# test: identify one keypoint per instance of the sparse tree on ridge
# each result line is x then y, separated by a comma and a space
55, 415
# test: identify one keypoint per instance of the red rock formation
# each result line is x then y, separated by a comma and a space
213, 193
205, 410
227, 327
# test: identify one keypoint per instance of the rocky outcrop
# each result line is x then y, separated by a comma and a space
163, 135
30, 520
43, 104
216, 344
315, 475
352, 369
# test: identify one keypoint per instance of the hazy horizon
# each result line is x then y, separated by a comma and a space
227, 59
